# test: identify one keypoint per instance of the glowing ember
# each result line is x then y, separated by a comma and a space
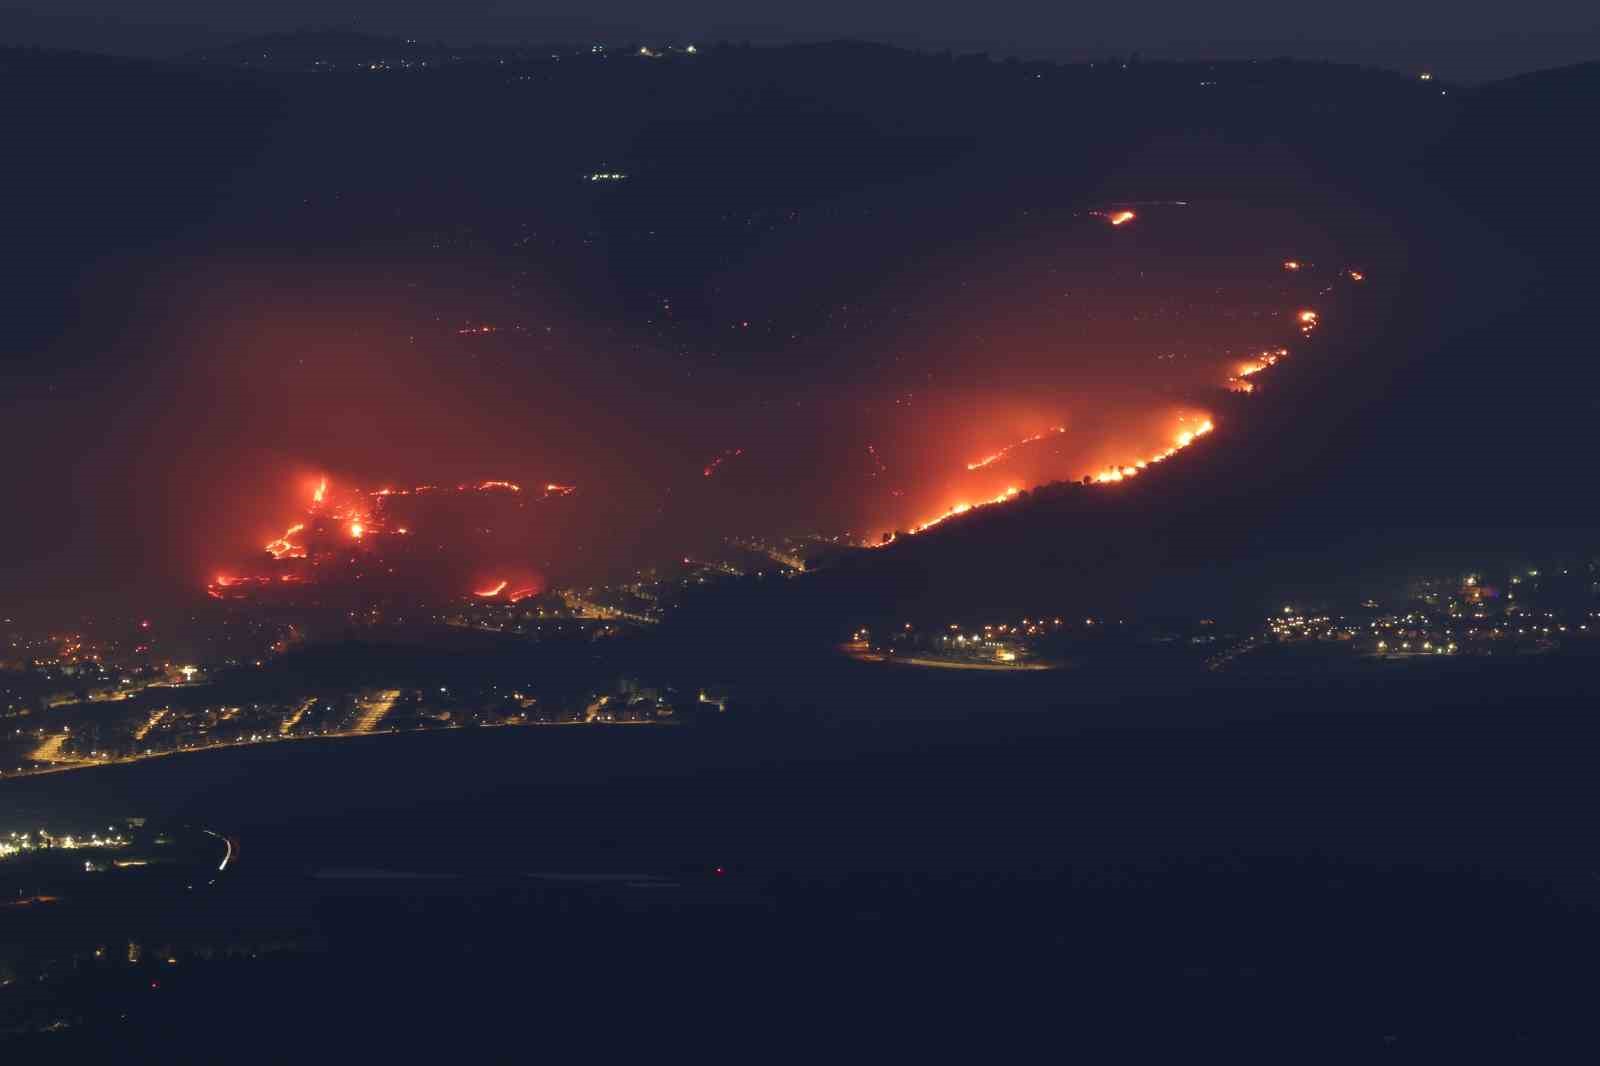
877, 461
1008, 449
711, 467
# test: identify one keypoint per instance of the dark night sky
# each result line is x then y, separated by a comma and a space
1465, 40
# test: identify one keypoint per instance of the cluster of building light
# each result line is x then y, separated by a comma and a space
1028, 627
18, 843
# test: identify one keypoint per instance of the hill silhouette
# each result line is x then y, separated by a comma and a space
1449, 416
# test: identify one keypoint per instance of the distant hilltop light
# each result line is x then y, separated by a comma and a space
607, 175
1425, 76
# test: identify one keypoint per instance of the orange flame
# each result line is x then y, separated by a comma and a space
1111, 474
281, 548
963, 508
1181, 441
321, 491
492, 591
1261, 362
1119, 217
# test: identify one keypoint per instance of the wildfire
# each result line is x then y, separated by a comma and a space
1265, 360
354, 514
1255, 366
1117, 218
1355, 275
1008, 449
1291, 264
518, 595
1182, 440
963, 508
492, 591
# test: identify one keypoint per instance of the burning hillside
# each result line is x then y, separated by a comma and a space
421, 542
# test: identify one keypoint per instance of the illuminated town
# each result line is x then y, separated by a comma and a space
1503, 613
